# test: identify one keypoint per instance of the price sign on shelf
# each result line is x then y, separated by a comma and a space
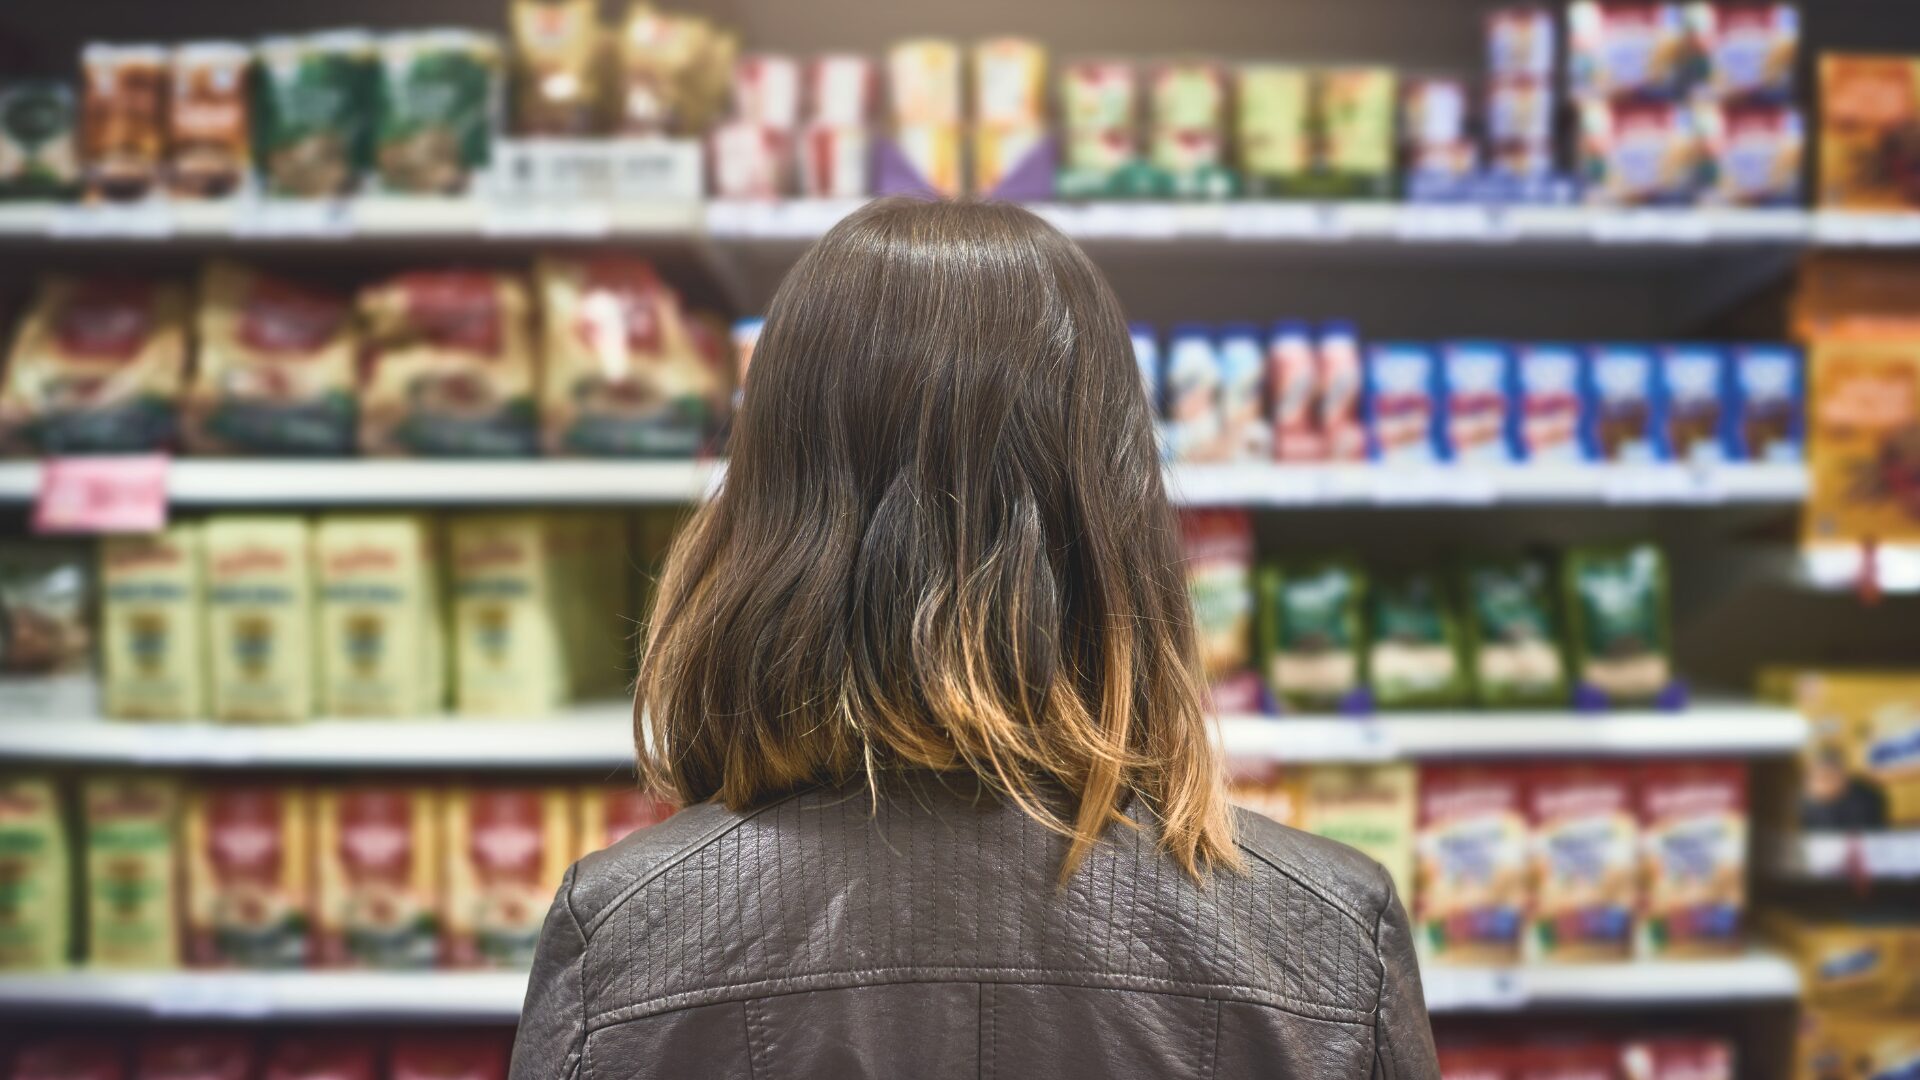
102, 495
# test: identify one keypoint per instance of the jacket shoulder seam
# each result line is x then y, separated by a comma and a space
1291, 874
672, 859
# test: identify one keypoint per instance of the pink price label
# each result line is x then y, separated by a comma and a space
102, 495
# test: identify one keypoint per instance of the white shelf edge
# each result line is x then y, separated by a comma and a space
1892, 855
1753, 977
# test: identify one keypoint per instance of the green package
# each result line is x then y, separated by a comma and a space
1414, 644
35, 908
133, 913
1312, 632
1326, 133
311, 108
38, 159
438, 97
1513, 650
1618, 633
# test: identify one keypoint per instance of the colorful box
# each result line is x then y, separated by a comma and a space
1586, 862
1695, 404
1474, 895
1693, 836
1769, 403
1404, 408
1475, 379
1624, 419
1550, 404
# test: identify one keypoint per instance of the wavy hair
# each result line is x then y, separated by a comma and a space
942, 543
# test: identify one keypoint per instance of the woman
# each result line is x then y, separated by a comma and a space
923, 675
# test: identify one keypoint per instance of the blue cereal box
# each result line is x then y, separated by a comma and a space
1474, 385
1247, 434
1191, 394
1550, 404
1769, 403
1695, 403
1404, 420
1623, 419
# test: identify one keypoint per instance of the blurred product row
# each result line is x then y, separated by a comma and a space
228, 1054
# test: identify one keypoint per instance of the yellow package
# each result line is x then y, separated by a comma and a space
133, 915
507, 849
1368, 807
259, 619
35, 927
1009, 83
1274, 793
923, 83
507, 631
1861, 769
97, 366
377, 869
150, 625
1852, 963
381, 651
1837, 1044
249, 899
934, 152
609, 814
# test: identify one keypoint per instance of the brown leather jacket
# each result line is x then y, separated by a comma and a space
930, 938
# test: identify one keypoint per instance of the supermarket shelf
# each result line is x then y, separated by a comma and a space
1844, 856
600, 737
219, 482
496, 996
370, 218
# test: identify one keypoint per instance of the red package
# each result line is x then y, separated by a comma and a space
1677, 1059
1572, 1061
330, 1056
189, 1055
1218, 545
470, 1055
1585, 862
71, 1057
1473, 895
1693, 830
1476, 1063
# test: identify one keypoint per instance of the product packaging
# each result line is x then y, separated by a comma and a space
1769, 403
1293, 382
98, 365
1472, 895
1326, 133
1861, 767
248, 898
276, 371
1520, 114
1642, 153
1628, 48
1193, 393
39, 155
506, 849
559, 55
1860, 963
1550, 421
1677, 1058
750, 161
133, 918
1099, 118
1845, 1043
1246, 434
123, 142
36, 928
934, 153
152, 637
836, 146
381, 650
1625, 411
1437, 147
259, 611
674, 72
1311, 622
377, 873
1275, 118
1218, 546
1693, 830
464, 1055
1747, 50
1586, 862
438, 95
1695, 404
507, 637
1187, 127
1405, 421
609, 814
1754, 154
46, 631
1341, 383
209, 134
449, 365
1512, 640
925, 108
1618, 637
91, 1056
1521, 41
1416, 657
172, 1054
1357, 109
312, 112
1869, 107
1475, 377
1273, 792
1370, 808
330, 1056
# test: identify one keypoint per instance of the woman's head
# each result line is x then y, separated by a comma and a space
942, 543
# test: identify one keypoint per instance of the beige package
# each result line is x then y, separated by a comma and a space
35, 912
449, 366
249, 901
132, 880
381, 647
98, 365
506, 622
151, 634
259, 619
1368, 807
507, 849
377, 876
276, 365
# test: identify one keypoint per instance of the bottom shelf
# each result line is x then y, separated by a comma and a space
461, 996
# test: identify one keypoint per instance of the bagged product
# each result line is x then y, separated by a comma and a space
152, 637
1415, 648
1369, 808
623, 374
312, 112
1769, 402
438, 105
1693, 842
377, 876
1357, 109
132, 881
194, 1055
322, 1057
123, 143
1625, 414
46, 631
1748, 49
1628, 48
1586, 862
1312, 633
1641, 153
1187, 127
248, 898
1618, 637
1475, 378
210, 140
1512, 639
1099, 120
1405, 424
259, 619
608, 814
507, 849
1695, 410
1275, 123
448, 366
466, 1055
558, 67
1754, 154
35, 911
38, 156
382, 647
1274, 793
1146, 357
98, 365
506, 630
1473, 892
277, 367
1550, 404
1218, 545
674, 71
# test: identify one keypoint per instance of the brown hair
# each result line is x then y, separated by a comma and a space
942, 543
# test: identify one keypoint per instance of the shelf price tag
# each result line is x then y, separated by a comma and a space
102, 495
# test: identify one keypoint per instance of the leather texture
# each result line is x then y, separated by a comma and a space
928, 936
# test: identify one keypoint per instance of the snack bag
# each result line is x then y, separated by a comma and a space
1475, 378
1357, 110
1472, 894
1618, 636
449, 366
1694, 409
437, 107
151, 629
98, 365
1628, 48
1640, 153
312, 112
194, 1055
259, 612
1586, 869
382, 649
1512, 640
1218, 545
1769, 402
1693, 836
123, 120
1275, 125
1342, 384
1243, 394
46, 631
467, 1055
1193, 392
1312, 631
507, 636
1370, 808
1748, 49
558, 54
507, 849
210, 138
277, 367
1415, 654
1550, 404
1099, 118
1405, 423
1187, 130
35, 912
38, 157
623, 375
1625, 417
377, 876
609, 814
133, 915
248, 902
1274, 793
674, 71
